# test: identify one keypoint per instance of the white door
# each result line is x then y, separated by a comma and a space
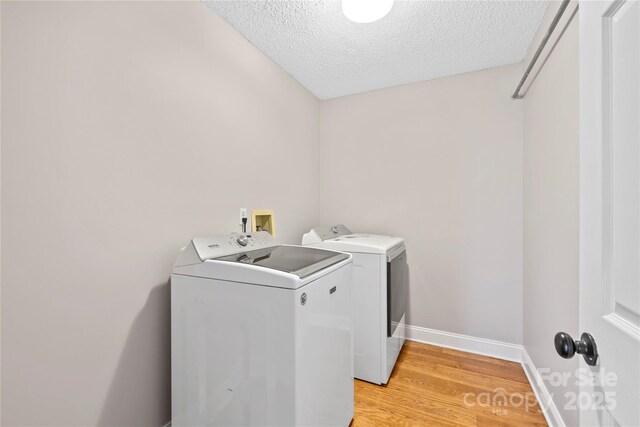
610, 210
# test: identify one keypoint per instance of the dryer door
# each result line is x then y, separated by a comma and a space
396, 291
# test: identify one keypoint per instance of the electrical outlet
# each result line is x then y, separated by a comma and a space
244, 222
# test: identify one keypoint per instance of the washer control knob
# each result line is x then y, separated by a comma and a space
242, 240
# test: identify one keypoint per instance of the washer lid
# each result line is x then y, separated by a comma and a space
298, 260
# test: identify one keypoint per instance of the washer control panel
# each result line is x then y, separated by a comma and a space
234, 243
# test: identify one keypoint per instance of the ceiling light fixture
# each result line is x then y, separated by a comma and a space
365, 11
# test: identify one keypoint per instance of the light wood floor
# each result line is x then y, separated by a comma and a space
435, 386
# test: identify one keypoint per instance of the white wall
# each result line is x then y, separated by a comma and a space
439, 163
128, 128
551, 208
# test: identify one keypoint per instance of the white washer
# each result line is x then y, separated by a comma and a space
378, 296
260, 334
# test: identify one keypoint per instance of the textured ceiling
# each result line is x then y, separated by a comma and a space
417, 40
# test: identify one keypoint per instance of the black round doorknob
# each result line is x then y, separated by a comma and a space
567, 347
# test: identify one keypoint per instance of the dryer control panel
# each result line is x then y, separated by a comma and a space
319, 234
230, 244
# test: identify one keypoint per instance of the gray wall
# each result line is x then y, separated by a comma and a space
128, 128
551, 208
439, 163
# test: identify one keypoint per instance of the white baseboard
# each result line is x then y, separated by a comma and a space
483, 346
549, 408
497, 349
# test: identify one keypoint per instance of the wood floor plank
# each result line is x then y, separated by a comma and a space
460, 373
496, 421
435, 386
445, 391
392, 413
410, 403
508, 370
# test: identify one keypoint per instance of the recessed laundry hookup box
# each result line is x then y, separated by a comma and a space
263, 220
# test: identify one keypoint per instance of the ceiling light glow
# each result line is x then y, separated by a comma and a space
365, 11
